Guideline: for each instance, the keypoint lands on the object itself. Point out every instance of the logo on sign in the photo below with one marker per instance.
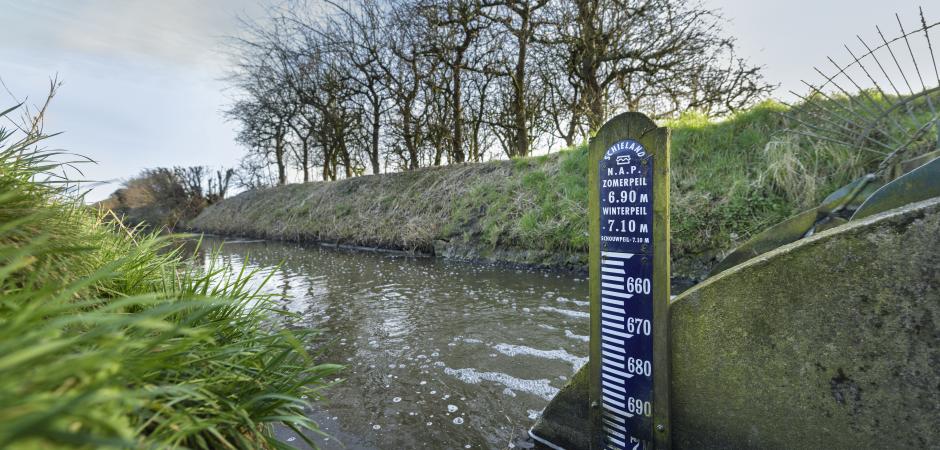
(626, 145)
(621, 160)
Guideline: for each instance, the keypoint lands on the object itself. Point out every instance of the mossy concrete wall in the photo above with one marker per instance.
(829, 342)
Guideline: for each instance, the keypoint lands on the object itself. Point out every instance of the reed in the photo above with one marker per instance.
(112, 338)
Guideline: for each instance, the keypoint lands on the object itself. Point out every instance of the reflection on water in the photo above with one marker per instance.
(439, 354)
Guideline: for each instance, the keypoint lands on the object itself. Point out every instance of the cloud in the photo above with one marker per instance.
(171, 31)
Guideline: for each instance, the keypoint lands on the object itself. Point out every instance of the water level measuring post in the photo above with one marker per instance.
(629, 271)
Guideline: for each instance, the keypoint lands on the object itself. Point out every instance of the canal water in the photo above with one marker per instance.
(439, 354)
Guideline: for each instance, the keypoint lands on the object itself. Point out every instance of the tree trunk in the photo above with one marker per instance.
(279, 158)
(408, 135)
(376, 128)
(327, 158)
(593, 95)
(305, 161)
(457, 142)
(521, 138)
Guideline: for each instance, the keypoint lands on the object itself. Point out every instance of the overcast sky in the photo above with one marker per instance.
(142, 79)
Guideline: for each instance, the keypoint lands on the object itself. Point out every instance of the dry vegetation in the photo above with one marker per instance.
(731, 179)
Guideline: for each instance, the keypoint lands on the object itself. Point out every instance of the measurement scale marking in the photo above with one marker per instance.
(615, 432)
(615, 395)
(615, 410)
(616, 294)
(611, 416)
(612, 378)
(614, 425)
(617, 441)
(613, 363)
(617, 255)
(615, 387)
(613, 401)
(616, 372)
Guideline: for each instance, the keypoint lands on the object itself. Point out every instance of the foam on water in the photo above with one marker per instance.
(516, 350)
(576, 302)
(540, 387)
(566, 312)
(392, 348)
(571, 335)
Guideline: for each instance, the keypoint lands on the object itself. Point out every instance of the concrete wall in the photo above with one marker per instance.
(830, 342)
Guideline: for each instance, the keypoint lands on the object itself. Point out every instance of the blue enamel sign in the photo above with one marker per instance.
(626, 274)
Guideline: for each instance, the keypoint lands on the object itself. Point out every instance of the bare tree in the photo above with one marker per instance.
(524, 21)
(455, 26)
(218, 186)
(408, 69)
(267, 105)
(626, 54)
(253, 172)
(359, 39)
(356, 84)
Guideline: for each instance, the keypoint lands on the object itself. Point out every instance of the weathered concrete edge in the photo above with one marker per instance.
(543, 441)
(764, 258)
(561, 405)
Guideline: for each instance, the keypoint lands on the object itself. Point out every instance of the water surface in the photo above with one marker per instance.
(439, 354)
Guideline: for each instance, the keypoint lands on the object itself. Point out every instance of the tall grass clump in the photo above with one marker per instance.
(110, 338)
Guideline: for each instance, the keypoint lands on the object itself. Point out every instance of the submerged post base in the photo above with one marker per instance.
(565, 423)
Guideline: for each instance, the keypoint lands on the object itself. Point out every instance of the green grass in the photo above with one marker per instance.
(110, 338)
(731, 178)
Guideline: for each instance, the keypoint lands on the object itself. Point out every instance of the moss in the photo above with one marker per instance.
(829, 342)
(839, 359)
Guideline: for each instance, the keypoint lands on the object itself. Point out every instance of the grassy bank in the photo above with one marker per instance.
(731, 178)
(111, 339)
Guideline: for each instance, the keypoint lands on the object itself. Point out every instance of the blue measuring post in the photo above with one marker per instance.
(626, 295)
(629, 347)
